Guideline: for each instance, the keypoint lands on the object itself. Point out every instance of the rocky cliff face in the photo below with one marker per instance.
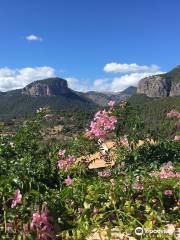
(49, 87)
(155, 86)
(161, 85)
(175, 89)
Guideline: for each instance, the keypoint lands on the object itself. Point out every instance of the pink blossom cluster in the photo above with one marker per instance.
(168, 193)
(105, 173)
(173, 114)
(17, 198)
(124, 141)
(138, 186)
(167, 167)
(166, 171)
(42, 226)
(169, 174)
(111, 104)
(65, 163)
(61, 153)
(102, 123)
(68, 181)
(177, 138)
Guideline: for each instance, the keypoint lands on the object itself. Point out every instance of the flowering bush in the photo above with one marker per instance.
(103, 123)
(47, 192)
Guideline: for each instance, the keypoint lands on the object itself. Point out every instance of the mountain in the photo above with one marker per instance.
(75, 109)
(102, 98)
(99, 98)
(124, 95)
(130, 90)
(174, 77)
(52, 92)
(48, 87)
(162, 85)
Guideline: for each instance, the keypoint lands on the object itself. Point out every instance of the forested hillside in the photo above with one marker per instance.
(152, 113)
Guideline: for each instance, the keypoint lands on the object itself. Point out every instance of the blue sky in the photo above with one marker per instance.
(76, 39)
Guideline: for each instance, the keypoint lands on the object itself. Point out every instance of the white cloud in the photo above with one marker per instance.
(115, 84)
(132, 79)
(33, 37)
(81, 85)
(130, 68)
(99, 82)
(76, 84)
(19, 78)
(101, 85)
(130, 74)
(73, 82)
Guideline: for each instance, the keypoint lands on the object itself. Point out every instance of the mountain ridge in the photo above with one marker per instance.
(55, 93)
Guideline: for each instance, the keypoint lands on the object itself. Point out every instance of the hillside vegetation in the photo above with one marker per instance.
(152, 113)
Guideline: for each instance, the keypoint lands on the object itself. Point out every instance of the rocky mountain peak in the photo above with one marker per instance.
(48, 87)
(161, 85)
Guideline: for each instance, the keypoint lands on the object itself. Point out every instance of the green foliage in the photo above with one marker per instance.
(18, 105)
(129, 123)
(174, 75)
(130, 197)
(150, 155)
(152, 113)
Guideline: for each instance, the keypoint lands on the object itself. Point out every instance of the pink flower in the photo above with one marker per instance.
(177, 138)
(62, 164)
(36, 218)
(103, 123)
(17, 199)
(68, 181)
(67, 163)
(71, 159)
(168, 193)
(111, 103)
(124, 141)
(61, 153)
(167, 170)
(167, 167)
(105, 173)
(42, 226)
(100, 174)
(138, 186)
(167, 175)
(39, 218)
(173, 114)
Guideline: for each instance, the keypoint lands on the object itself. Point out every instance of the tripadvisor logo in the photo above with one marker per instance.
(140, 231)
